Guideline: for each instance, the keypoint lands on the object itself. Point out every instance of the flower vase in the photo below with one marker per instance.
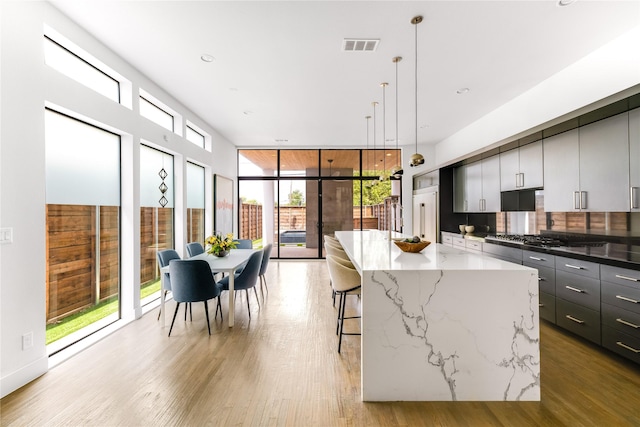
(221, 254)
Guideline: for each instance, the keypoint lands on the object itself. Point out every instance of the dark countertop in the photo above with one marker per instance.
(615, 254)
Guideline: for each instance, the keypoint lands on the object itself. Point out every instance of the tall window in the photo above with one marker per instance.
(156, 216)
(195, 203)
(83, 228)
(78, 69)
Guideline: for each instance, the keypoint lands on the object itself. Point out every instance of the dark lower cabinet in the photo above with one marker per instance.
(547, 308)
(597, 302)
(625, 321)
(621, 343)
(578, 319)
(620, 295)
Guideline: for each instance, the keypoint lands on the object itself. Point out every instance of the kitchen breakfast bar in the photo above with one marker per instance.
(444, 324)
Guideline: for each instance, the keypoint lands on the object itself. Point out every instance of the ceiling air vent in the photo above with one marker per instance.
(360, 45)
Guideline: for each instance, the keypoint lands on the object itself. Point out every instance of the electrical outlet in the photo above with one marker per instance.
(6, 235)
(27, 341)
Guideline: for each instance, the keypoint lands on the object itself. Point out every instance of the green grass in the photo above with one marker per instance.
(84, 318)
(149, 288)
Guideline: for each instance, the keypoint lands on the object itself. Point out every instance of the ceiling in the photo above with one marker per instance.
(279, 77)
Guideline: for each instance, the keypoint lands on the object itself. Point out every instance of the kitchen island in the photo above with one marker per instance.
(444, 324)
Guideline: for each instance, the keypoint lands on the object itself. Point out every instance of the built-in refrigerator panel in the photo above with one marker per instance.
(426, 224)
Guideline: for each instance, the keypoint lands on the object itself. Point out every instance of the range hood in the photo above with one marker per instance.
(518, 200)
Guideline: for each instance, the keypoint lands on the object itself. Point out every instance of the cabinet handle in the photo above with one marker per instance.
(623, 345)
(521, 179)
(577, 267)
(620, 276)
(627, 299)
(540, 305)
(517, 180)
(635, 203)
(541, 279)
(624, 322)
(571, 288)
(568, 316)
(583, 200)
(576, 200)
(536, 258)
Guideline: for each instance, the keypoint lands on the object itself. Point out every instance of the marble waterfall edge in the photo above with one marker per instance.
(450, 335)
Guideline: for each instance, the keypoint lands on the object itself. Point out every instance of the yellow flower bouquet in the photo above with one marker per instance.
(220, 245)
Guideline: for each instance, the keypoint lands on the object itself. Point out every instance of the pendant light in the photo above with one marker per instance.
(367, 161)
(416, 158)
(384, 176)
(375, 170)
(397, 170)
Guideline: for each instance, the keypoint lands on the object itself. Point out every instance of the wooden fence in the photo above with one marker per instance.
(250, 221)
(156, 233)
(71, 247)
(295, 218)
(71, 257)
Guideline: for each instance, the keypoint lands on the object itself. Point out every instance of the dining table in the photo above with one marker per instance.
(228, 264)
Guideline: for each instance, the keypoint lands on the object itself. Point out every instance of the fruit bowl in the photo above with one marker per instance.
(412, 247)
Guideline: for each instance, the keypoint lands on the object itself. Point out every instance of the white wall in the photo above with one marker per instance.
(604, 76)
(26, 86)
(612, 69)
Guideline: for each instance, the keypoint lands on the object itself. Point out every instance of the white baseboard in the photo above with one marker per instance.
(26, 374)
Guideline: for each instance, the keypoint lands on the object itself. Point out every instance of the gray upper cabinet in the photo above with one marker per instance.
(522, 168)
(561, 171)
(491, 184)
(604, 165)
(587, 169)
(510, 170)
(477, 186)
(634, 156)
(473, 187)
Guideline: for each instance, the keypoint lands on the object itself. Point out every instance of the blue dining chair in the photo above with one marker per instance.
(246, 279)
(164, 257)
(244, 243)
(263, 267)
(192, 281)
(194, 248)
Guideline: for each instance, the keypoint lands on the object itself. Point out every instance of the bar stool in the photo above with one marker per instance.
(345, 281)
(339, 253)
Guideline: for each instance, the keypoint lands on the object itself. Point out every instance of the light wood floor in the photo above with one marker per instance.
(282, 368)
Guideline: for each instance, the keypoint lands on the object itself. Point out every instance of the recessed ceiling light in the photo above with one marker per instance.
(565, 2)
(462, 91)
(207, 58)
(246, 113)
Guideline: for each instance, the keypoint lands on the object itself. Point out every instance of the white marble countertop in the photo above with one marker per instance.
(371, 250)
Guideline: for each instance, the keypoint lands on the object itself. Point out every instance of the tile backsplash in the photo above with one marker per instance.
(536, 221)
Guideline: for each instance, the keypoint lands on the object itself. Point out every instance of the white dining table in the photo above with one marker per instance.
(228, 264)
